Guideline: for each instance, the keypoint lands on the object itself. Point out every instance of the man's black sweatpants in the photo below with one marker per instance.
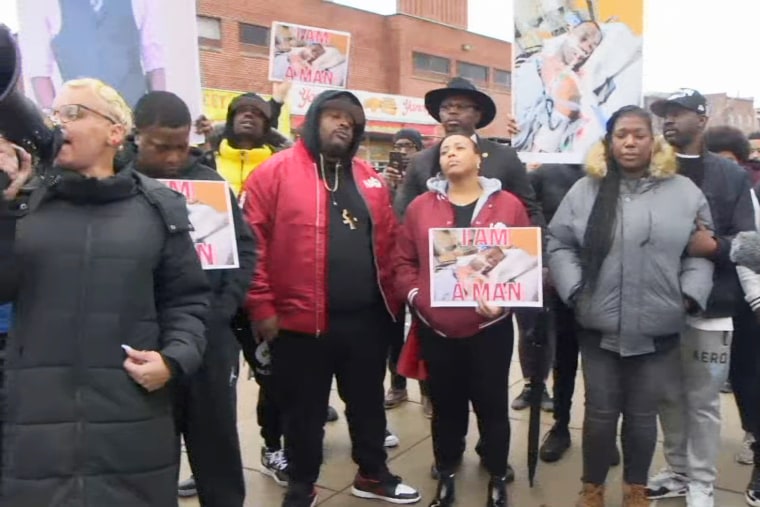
(206, 416)
(354, 350)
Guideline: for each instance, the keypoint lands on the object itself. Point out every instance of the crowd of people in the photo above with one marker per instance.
(117, 345)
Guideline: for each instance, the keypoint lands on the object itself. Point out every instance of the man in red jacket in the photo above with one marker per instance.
(322, 293)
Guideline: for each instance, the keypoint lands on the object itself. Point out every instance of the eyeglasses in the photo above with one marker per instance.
(455, 106)
(404, 145)
(71, 112)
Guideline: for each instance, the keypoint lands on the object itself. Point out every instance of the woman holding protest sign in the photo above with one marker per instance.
(466, 350)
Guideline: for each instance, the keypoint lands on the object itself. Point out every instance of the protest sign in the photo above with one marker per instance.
(210, 209)
(500, 265)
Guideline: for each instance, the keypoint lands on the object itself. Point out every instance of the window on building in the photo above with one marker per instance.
(209, 31)
(476, 73)
(254, 34)
(502, 78)
(424, 63)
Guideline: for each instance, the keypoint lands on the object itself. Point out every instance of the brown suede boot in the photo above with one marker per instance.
(635, 495)
(592, 495)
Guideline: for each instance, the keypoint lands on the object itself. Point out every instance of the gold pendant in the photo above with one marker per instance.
(349, 219)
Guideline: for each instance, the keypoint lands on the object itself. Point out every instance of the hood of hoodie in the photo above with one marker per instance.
(440, 185)
(310, 128)
(229, 130)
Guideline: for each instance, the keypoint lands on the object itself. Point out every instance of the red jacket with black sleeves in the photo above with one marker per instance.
(286, 205)
(433, 210)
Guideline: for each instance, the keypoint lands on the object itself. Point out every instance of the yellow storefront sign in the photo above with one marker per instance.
(216, 102)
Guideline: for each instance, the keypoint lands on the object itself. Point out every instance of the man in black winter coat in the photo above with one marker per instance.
(206, 403)
(551, 182)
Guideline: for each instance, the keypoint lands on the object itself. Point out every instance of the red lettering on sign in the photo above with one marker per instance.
(313, 36)
(205, 253)
(185, 188)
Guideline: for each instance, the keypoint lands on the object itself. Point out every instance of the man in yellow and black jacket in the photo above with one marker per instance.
(247, 139)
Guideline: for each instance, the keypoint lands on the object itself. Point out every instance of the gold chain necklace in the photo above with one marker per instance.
(324, 176)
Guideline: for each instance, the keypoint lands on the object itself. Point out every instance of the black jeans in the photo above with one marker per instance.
(564, 329)
(354, 350)
(464, 370)
(206, 415)
(743, 372)
(617, 385)
(531, 363)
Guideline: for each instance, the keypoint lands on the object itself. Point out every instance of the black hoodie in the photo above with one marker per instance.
(352, 277)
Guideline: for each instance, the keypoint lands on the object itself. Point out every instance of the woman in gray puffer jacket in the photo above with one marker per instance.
(617, 254)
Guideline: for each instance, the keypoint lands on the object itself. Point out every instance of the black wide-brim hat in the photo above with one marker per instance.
(460, 87)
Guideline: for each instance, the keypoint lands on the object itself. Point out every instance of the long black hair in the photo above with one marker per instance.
(600, 229)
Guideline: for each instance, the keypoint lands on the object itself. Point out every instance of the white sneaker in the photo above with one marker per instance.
(667, 484)
(700, 495)
(391, 440)
(746, 456)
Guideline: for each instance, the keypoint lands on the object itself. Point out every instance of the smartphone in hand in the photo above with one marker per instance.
(396, 161)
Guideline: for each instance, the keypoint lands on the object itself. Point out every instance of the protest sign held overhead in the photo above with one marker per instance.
(499, 265)
(574, 64)
(309, 55)
(210, 209)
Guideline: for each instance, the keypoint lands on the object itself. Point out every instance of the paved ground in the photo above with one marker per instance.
(557, 484)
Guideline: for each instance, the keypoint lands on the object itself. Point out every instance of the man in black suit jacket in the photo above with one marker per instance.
(460, 107)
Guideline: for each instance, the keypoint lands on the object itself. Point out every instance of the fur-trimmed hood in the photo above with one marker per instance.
(663, 165)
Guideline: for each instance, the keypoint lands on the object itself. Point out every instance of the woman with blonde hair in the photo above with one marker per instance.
(617, 254)
(110, 301)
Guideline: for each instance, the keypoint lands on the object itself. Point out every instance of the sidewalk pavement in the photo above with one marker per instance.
(556, 485)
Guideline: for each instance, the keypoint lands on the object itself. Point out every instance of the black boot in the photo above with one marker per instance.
(497, 492)
(444, 496)
(556, 443)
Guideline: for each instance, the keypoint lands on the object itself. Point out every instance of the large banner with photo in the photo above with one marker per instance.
(135, 46)
(309, 55)
(575, 62)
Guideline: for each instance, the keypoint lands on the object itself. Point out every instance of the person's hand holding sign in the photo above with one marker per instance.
(488, 311)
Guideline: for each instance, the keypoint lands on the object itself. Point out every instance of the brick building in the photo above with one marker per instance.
(406, 54)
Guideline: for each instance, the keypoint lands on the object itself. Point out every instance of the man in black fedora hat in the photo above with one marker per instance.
(461, 107)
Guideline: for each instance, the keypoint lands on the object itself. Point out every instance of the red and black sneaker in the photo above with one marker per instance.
(386, 487)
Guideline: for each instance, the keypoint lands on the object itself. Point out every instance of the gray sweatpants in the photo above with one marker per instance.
(690, 407)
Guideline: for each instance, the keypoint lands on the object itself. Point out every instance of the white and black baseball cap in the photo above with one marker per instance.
(686, 98)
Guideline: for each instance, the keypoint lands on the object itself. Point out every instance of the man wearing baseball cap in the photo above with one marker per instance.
(690, 406)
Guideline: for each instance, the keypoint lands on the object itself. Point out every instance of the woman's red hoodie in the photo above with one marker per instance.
(495, 208)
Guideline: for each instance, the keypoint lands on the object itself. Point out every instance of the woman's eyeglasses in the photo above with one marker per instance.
(72, 112)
